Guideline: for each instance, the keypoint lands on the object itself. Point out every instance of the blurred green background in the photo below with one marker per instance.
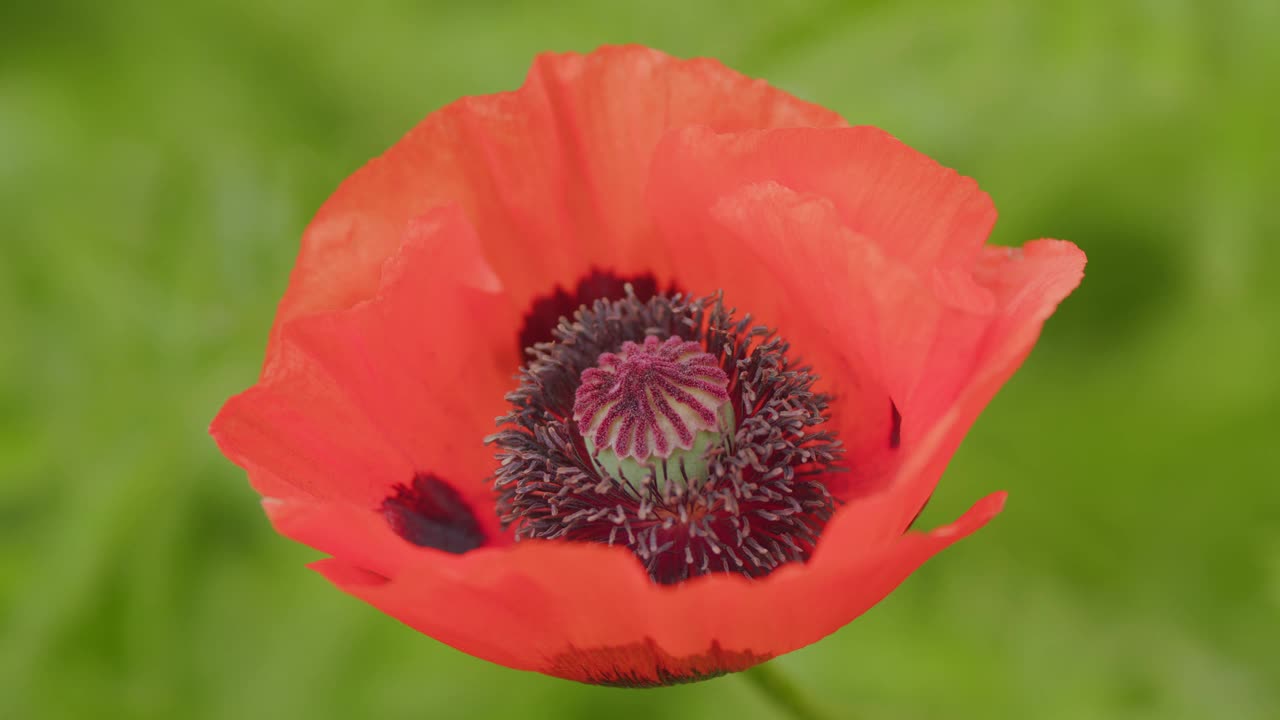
(159, 161)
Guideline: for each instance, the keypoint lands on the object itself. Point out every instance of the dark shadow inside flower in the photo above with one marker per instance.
(547, 310)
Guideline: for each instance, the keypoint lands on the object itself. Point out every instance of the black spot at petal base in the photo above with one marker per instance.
(430, 513)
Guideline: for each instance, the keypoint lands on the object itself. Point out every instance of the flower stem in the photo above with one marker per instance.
(774, 684)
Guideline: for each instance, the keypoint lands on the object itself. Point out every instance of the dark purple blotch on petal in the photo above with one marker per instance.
(430, 513)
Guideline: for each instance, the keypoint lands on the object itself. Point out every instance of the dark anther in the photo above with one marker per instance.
(430, 513)
(544, 316)
(895, 430)
(758, 502)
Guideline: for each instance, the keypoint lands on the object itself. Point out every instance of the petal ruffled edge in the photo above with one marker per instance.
(917, 211)
(551, 175)
(887, 331)
(590, 613)
(355, 407)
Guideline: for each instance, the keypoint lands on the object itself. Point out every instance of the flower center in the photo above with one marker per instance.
(674, 429)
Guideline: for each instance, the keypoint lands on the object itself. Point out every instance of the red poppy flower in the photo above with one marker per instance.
(670, 492)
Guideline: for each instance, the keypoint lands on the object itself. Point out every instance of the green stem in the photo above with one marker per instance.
(774, 684)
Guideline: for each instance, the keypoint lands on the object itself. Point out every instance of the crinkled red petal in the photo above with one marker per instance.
(551, 175)
(895, 337)
(581, 611)
(363, 400)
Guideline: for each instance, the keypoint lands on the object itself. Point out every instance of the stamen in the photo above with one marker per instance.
(546, 312)
(641, 381)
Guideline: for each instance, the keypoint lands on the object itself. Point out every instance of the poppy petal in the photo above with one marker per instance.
(916, 210)
(866, 319)
(300, 434)
(428, 359)
(590, 613)
(1027, 284)
(364, 400)
(907, 216)
(475, 638)
(745, 240)
(898, 342)
(961, 349)
(613, 106)
(550, 175)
